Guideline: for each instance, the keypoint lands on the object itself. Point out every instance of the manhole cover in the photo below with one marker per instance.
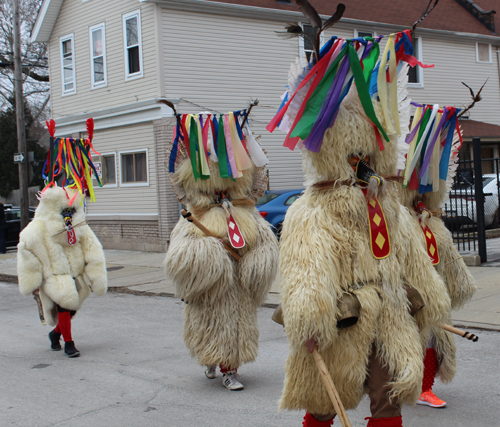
(118, 267)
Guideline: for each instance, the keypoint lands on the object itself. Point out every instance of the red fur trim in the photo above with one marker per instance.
(430, 369)
(90, 128)
(310, 421)
(51, 126)
(385, 422)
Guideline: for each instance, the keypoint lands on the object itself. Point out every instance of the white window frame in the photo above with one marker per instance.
(302, 52)
(420, 70)
(104, 83)
(61, 40)
(125, 17)
(111, 153)
(356, 33)
(489, 52)
(134, 184)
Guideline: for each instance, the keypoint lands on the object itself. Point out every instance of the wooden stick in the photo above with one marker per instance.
(198, 224)
(330, 387)
(463, 334)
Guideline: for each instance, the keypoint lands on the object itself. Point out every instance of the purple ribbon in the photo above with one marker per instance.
(430, 147)
(315, 139)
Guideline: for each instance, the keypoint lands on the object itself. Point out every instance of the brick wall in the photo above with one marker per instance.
(129, 235)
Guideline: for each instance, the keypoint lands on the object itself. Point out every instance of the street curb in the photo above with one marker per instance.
(472, 260)
(10, 278)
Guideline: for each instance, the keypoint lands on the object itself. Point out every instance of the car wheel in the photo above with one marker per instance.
(277, 231)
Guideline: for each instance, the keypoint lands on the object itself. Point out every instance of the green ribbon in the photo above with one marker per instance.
(193, 142)
(316, 100)
(362, 87)
(222, 151)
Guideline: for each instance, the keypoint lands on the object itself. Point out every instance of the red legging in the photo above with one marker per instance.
(223, 369)
(64, 326)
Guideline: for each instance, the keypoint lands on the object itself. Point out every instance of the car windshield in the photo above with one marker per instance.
(266, 199)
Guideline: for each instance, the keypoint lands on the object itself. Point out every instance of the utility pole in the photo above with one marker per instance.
(21, 125)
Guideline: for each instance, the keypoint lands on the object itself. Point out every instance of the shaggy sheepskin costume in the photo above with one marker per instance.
(460, 285)
(221, 294)
(64, 273)
(325, 252)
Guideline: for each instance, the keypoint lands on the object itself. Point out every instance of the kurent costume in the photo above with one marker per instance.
(59, 258)
(346, 235)
(428, 177)
(217, 171)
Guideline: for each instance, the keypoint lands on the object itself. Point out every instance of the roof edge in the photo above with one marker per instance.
(42, 29)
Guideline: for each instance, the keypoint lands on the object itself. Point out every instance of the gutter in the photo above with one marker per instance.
(268, 14)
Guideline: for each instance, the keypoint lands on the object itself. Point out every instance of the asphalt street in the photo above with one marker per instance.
(135, 371)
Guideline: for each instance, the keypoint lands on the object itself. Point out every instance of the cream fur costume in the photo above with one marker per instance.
(325, 251)
(221, 294)
(47, 262)
(460, 284)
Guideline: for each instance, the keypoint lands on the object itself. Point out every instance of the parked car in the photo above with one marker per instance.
(274, 204)
(13, 218)
(461, 208)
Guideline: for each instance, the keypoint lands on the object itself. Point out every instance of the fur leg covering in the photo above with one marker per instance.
(446, 353)
(430, 369)
(385, 422)
(64, 326)
(310, 421)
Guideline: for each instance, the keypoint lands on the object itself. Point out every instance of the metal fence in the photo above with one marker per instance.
(473, 205)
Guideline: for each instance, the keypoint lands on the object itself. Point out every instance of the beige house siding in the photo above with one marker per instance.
(118, 91)
(221, 63)
(123, 200)
(455, 62)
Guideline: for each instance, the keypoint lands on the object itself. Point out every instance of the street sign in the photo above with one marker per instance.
(18, 158)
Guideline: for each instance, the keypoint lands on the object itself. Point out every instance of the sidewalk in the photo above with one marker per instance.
(141, 273)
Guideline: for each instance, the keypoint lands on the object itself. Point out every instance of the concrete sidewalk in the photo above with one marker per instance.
(142, 273)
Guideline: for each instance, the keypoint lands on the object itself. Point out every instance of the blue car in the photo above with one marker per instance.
(274, 204)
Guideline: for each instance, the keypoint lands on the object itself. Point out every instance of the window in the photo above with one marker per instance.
(308, 46)
(133, 45)
(68, 65)
(134, 168)
(106, 169)
(483, 52)
(292, 199)
(98, 56)
(364, 34)
(415, 74)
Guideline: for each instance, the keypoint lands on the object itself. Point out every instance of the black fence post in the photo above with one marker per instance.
(479, 196)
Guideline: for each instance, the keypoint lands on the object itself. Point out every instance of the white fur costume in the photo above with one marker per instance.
(47, 262)
(325, 251)
(221, 294)
(460, 284)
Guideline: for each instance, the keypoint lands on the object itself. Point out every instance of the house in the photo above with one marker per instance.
(113, 60)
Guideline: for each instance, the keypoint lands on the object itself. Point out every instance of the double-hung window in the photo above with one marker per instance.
(132, 44)
(134, 168)
(415, 74)
(68, 65)
(98, 56)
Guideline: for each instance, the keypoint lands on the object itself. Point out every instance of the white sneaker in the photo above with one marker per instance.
(230, 380)
(211, 372)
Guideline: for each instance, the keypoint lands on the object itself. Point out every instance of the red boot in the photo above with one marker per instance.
(430, 369)
(310, 421)
(385, 422)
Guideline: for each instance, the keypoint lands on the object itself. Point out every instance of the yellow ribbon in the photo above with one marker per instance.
(382, 85)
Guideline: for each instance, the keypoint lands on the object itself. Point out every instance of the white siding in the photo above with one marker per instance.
(221, 63)
(455, 62)
(76, 17)
(126, 200)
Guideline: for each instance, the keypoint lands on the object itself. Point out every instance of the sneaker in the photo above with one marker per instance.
(230, 380)
(55, 340)
(430, 399)
(70, 349)
(211, 372)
